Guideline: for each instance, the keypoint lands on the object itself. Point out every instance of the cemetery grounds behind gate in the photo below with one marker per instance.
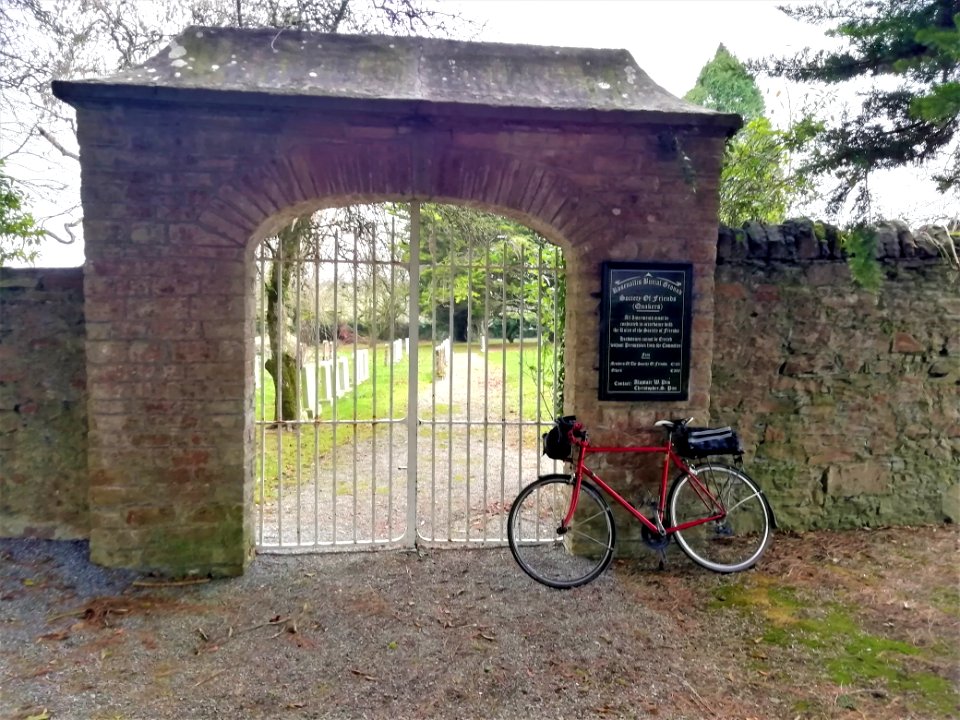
(483, 378)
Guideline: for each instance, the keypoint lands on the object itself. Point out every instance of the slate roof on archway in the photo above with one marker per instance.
(409, 75)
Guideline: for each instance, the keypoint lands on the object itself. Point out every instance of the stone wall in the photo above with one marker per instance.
(43, 404)
(848, 400)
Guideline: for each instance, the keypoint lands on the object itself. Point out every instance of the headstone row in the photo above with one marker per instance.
(332, 376)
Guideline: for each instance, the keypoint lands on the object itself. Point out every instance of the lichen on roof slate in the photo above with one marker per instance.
(289, 63)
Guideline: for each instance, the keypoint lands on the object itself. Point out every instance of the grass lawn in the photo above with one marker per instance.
(524, 388)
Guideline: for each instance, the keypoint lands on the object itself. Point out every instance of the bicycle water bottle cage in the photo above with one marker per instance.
(702, 442)
(556, 443)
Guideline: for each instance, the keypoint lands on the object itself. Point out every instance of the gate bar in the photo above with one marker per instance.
(413, 417)
(389, 351)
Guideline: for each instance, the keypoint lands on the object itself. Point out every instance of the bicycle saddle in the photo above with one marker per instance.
(673, 424)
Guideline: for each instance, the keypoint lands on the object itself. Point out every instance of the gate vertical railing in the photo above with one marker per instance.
(413, 417)
(482, 424)
(384, 456)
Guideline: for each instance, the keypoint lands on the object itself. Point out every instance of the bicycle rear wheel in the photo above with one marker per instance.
(735, 541)
(561, 558)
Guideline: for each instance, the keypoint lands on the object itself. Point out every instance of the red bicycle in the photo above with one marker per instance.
(561, 529)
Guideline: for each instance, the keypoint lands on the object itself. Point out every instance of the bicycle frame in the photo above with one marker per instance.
(708, 499)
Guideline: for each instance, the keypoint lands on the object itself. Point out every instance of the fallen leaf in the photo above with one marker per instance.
(207, 679)
(169, 583)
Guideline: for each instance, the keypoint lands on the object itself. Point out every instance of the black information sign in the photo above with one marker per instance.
(645, 318)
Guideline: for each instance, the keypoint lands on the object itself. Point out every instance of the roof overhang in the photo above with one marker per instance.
(404, 77)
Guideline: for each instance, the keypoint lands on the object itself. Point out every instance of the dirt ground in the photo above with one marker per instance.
(862, 624)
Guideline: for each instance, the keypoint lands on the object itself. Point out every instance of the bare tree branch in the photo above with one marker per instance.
(53, 141)
(68, 228)
(18, 149)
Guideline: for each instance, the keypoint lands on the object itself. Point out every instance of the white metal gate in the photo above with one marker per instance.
(454, 314)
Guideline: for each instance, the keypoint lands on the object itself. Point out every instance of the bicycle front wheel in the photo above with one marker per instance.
(737, 539)
(552, 555)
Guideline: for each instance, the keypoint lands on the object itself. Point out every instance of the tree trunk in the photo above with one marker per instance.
(277, 287)
(288, 405)
(461, 328)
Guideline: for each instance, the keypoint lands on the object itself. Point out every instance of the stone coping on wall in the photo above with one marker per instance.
(804, 240)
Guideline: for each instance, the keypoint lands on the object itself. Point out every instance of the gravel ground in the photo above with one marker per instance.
(449, 634)
(460, 633)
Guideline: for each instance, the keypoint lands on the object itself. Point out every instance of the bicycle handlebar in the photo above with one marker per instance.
(573, 430)
(577, 434)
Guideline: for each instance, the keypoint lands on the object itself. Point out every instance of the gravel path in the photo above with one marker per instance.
(467, 478)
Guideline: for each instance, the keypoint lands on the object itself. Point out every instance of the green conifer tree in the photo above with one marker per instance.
(910, 114)
(725, 84)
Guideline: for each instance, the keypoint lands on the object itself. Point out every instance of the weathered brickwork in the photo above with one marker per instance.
(848, 400)
(43, 409)
(175, 201)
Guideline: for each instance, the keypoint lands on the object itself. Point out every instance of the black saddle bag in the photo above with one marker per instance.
(702, 442)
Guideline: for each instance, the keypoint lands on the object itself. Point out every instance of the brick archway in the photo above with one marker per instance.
(181, 180)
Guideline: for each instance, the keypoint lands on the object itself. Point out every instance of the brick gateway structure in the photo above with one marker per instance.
(191, 159)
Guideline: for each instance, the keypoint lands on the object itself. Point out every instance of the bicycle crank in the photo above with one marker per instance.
(654, 541)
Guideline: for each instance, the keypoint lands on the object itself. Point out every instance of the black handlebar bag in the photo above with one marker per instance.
(556, 443)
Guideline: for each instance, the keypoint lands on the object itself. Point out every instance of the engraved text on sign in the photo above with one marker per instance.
(645, 331)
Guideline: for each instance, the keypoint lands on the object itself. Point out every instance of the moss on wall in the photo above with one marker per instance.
(848, 400)
(43, 413)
